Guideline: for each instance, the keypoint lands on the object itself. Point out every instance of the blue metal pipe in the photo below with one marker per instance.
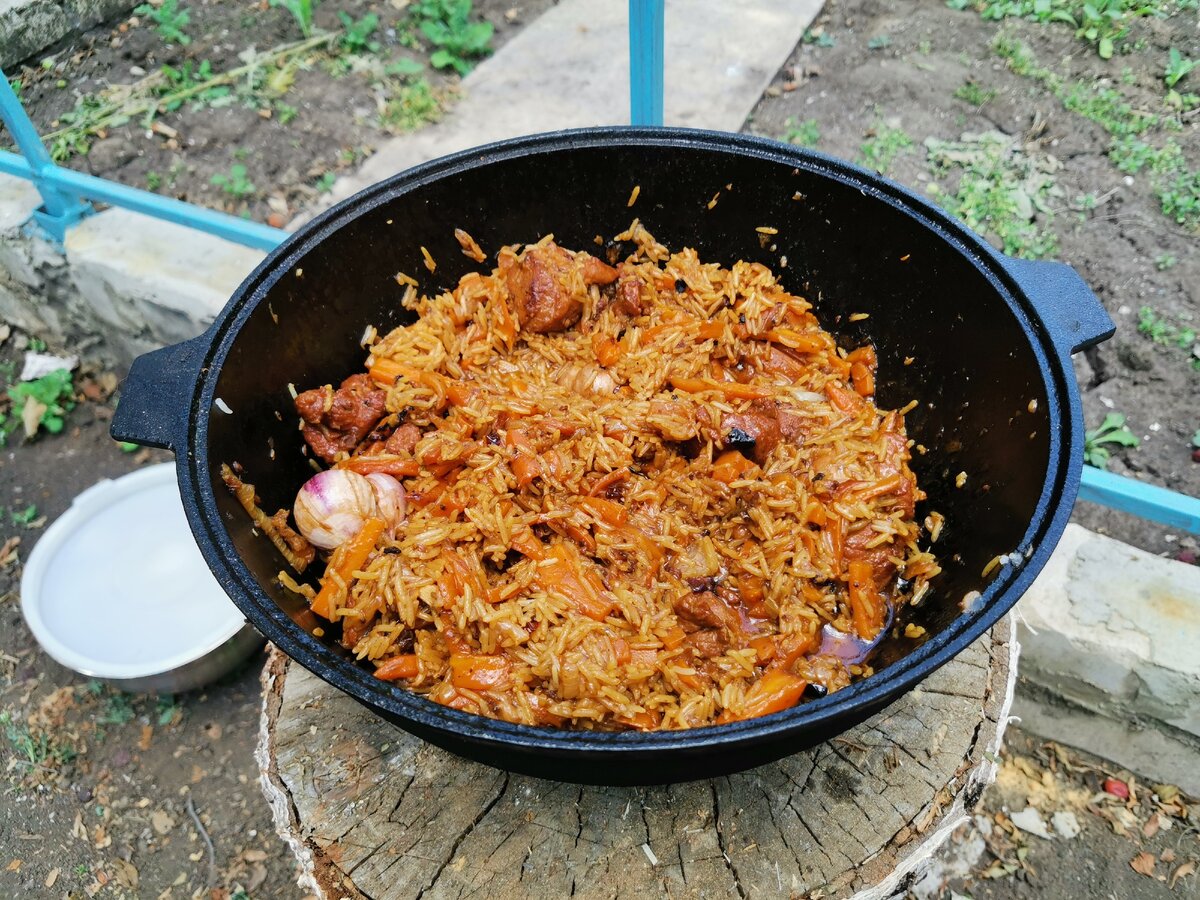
(232, 228)
(1146, 500)
(646, 62)
(60, 209)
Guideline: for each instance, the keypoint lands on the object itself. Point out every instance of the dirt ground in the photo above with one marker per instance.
(291, 126)
(98, 787)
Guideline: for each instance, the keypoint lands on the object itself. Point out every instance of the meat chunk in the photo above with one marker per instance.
(759, 426)
(708, 643)
(791, 424)
(336, 421)
(629, 296)
(707, 610)
(548, 285)
(879, 557)
(403, 439)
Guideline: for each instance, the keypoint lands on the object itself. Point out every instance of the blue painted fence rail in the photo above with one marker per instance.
(64, 192)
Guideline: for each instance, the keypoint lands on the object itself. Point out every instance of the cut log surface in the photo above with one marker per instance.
(371, 811)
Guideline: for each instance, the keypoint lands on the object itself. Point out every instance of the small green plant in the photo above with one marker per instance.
(302, 12)
(1100, 23)
(118, 710)
(16, 84)
(880, 150)
(236, 183)
(412, 106)
(39, 404)
(447, 25)
(191, 81)
(169, 20)
(805, 133)
(1002, 191)
(879, 42)
(1164, 261)
(153, 181)
(26, 516)
(167, 710)
(325, 182)
(1161, 331)
(820, 38)
(1178, 67)
(37, 345)
(36, 747)
(286, 113)
(970, 92)
(356, 37)
(1112, 431)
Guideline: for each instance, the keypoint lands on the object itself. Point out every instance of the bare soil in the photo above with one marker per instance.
(337, 120)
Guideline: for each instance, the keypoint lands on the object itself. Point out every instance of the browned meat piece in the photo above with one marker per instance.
(708, 643)
(791, 424)
(629, 296)
(542, 283)
(338, 420)
(707, 609)
(855, 548)
(403, 439)
(759, 425)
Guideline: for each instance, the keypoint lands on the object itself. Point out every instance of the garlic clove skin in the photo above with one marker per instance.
(332, 506)
(390, 498)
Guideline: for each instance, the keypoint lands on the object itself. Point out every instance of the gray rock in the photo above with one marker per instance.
(27, 26)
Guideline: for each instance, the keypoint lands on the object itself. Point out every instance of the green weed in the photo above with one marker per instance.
(805, 134)
(192, 82)
(325, 182)
(169, 20)
(39, 404)
(118, 710)
(153, 181)
(235, 183)
(1001, 191)
(879, 42)
(446, 24)
(819, 38)
(302, 12)
(35, 747)
(412, 106)
(167, 710)
(1162, 331)
(881, 149)
(970, 92)
(1164, 261)
(26, 516)
(356, 37)
(286, 113)
(1178, 67)
(1112, 430)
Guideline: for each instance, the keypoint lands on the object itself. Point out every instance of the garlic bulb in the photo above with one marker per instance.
(333, 505)
(390, 498)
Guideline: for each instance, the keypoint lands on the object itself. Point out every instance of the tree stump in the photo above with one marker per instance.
(371, 811)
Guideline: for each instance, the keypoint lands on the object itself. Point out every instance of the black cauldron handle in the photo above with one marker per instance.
(1073, 315)
(156, 395)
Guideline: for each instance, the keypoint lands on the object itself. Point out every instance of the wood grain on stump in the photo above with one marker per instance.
(373, 812)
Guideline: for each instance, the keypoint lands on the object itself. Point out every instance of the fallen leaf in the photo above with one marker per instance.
(77, 828)
(1187, 868)
(8, 553)
(254, 855)
(125, 873)
(1150, 829)
(161, 821)
(31, 415)
(1166, 792)
(258, 874)
(1143, 864)
(1167, 856)
(14, 866)
(52, 877)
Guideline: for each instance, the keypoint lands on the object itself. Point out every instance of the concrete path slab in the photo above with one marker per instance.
(570, 68)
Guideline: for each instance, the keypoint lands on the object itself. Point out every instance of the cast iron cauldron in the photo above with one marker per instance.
(990, 340)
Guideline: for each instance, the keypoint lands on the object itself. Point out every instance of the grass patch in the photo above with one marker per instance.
(803, 134)
(970, 92)
(1173, 181)
(412, 105)
(1001, 191)
(32, 746)
(39, 405)
(883, 145)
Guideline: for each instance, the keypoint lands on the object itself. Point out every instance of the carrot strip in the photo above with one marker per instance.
(643, 721)
(796, 340)
(607, 481)
(777, 690)
(764, 646)
(561, 573)
(621, 651)
(892, 484)
(730, 466)
(525, 468)
(866, 603)
(526, 543)
(476, 672)
(347, 559)
(673, 637)
(605, 510)
(711, 331)
(403, 666)
(395, 466)
(731, 389)
(844, 400)
(863, 379)
(607, 351)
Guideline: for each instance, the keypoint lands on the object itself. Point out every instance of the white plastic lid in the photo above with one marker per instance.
(117, 588)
